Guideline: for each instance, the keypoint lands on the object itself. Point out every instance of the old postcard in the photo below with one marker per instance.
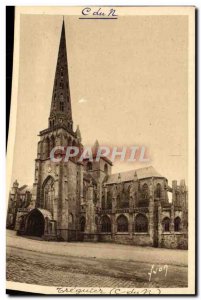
(101, 151)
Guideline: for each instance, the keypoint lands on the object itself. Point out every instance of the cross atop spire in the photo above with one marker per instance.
(61, 113)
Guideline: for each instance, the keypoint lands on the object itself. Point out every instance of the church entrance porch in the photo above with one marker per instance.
(35, 223)
(38, 223)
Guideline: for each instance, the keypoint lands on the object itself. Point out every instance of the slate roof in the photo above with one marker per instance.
(129, 175)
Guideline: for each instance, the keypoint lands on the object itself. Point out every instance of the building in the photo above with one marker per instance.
(84, 201)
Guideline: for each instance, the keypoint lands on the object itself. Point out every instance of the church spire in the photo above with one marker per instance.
(60, 113)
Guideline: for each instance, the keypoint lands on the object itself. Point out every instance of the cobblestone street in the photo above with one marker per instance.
(88, 264)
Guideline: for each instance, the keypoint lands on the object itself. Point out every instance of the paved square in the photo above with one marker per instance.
(91, 264)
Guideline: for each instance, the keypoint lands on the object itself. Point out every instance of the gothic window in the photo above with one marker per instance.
(106, 169)
(141, 223)
(89, 166)
(122, 224)
(177, 224)
(128, 192)
(48, 194)
(109, 200)
(158, 190)
(118, 202)
(144, 200)
(166, 224)
(61, 85)
(103, 202)
(46, 148)
(122, 201)
(124, 197)
(82, 224)
(105, 224)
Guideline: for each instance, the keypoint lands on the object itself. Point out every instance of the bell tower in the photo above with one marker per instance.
(57, 185)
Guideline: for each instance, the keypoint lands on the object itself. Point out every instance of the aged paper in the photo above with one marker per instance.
(100, 163)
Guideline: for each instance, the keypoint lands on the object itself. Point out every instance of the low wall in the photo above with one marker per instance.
(140, 239)
(174, 241)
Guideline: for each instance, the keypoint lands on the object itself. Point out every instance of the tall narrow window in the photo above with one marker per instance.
(166, 224)
(158, 190)
(82, 224)
(105, 224)
(144, 199)
(122, 224)
(141, 223)
(103, 202)
(177, 224)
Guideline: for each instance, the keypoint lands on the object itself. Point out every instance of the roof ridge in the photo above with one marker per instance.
(133, 170)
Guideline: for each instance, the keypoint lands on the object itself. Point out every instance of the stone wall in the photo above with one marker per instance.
(174, 241)
(141, 239)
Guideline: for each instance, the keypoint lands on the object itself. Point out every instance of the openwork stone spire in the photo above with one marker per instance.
(60, 113)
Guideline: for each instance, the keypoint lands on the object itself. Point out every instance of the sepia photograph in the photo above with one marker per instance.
(101, 151)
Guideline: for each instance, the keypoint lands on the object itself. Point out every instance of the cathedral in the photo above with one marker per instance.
(83, 201)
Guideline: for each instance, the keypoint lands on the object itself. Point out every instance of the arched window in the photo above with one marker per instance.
(118, 202)
(158, 190)
(141, 223)
(122, 224)
(82, 224)
(166, 224)
(105, 224)
(48, 194)
(89, 166)
(103, 202)
(177, 224)
(46, 147)
(109, 200)
(144, 199)
(106, 169)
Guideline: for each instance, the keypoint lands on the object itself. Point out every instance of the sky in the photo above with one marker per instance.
(128, 82)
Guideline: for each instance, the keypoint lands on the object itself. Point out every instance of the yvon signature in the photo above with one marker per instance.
(158, 271)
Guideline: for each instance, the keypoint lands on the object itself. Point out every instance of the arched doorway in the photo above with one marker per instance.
(35, 224)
